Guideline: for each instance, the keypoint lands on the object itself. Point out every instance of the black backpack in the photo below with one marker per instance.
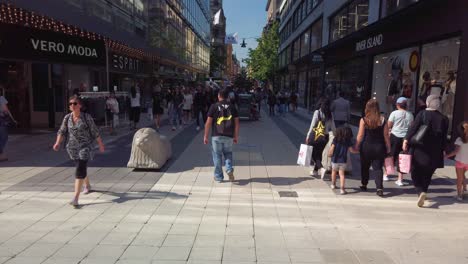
(224, 123)
(319, 135)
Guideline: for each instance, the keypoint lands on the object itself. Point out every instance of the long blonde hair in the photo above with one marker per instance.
(372, 114)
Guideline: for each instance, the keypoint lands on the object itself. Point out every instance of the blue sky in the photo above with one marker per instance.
(247, 17)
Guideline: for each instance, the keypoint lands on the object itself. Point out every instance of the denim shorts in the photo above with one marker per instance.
(338, 166)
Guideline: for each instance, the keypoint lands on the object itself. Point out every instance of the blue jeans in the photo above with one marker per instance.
(176, 116)
(222, 146)
(3, 138)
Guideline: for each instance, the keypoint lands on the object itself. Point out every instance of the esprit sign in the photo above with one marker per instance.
(30, 44)
(124, 63)
(58, 47)
(369, 43)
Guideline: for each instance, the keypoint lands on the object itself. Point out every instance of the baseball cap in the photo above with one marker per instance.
(401, 100)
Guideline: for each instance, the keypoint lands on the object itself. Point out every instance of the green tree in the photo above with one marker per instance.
(263, 60)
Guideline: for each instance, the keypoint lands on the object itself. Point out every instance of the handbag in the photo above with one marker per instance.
(418, 138)
(389, 166)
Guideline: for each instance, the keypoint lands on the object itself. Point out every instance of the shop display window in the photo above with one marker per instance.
(392, 78)
(301, 87)
(438, 73)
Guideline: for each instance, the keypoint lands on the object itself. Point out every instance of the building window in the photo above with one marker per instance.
(316, 36)
(296, 49)
(391, 6)
(305, 38)
(352, 17)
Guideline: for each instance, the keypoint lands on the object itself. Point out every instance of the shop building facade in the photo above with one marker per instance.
(51, 49)
(380, 49)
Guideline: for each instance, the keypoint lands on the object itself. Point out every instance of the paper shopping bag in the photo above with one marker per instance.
(305, 155)
(404, 161)
(389, 166)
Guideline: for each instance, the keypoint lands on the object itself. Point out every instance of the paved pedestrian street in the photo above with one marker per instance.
(181, 215)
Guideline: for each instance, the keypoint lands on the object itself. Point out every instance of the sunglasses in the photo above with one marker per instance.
(72, 103)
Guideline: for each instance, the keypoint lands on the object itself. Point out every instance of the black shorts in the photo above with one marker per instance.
(187, 110)
(396, 147)
(81, 169)
(158, 111)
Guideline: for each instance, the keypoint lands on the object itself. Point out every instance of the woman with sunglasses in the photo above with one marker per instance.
(80, 130)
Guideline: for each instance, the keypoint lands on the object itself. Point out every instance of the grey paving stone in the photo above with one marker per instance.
(101, 260)
(373, 256)
(149, 239)
(272, 255)
(40, 250)
(206, 254)
(182, 229)
(173, 253)
(12, 249)
(106, 251)
(139, 252)
(58, 260)
(209, 241)
(338, 256)
(29, 260)
(118, 238)
(305, 255)
(239, 241)
(74, 251)
(240, 254)
(179, 241)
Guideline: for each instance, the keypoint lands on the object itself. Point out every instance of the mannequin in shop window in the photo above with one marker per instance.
(394, 87)
(448, 96)
(425, 90)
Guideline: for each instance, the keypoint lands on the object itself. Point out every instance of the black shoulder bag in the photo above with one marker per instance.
(423, 130)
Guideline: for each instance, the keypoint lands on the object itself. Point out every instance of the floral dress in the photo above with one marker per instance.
(81, 136)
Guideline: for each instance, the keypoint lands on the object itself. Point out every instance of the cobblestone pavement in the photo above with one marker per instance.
(181, 215)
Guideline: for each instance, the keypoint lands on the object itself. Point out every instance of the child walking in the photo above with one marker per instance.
(339, 153)
(461, 158)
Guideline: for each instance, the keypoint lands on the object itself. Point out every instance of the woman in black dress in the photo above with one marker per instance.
(373, 143)
(429, 155)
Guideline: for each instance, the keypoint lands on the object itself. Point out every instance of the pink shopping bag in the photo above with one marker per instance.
(404, 160)
(390, 166)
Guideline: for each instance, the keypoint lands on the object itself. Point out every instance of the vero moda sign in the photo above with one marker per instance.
(24, 43)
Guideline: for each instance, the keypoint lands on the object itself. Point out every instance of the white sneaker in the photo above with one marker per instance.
(313, 173)
(421, 199)
(332, 186)
(400, 183)
(385, 178)
(322, 173)
(198, 128)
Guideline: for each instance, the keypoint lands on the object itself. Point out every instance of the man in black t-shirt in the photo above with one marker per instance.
(223, 120)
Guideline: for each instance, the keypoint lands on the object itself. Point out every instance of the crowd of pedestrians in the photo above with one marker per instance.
(423, 138)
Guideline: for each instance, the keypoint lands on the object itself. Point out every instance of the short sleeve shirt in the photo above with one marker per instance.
(215, 114)
(401, 120)
(340, 154)
(462, 155)
(188, 101)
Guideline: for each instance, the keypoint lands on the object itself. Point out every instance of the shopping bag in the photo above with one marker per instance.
(404, 161)
(305, 155)
(389, 166)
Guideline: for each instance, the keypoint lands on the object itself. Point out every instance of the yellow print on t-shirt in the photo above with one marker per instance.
(223, 118)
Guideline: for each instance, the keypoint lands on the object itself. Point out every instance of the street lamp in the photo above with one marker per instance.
(243, 44)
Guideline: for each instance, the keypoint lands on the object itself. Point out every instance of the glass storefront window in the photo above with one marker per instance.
(391, 6)
(353, 84)
(394, 78)
(439, 66)
(351, 18)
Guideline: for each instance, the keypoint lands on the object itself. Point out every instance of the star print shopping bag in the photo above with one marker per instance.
(305, 155)
(319, 135)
